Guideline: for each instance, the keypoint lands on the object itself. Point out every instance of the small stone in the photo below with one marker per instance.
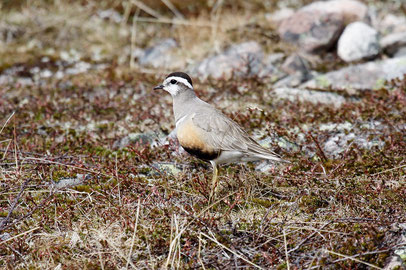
(133, 138)
(239, 60)
(315, 97)
(339, 142)
(392, 43)
(296, 64)
(349, 10)
(167, 167)
(401, 52)
(370, 75)
(392, 24)
(279, 15)
(358, 41)
(4, 236)
(69, 182)
(159, 55)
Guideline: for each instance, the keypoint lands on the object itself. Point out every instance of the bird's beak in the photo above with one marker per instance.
(159, 87)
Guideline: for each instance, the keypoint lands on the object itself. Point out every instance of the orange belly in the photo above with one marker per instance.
(192, 140)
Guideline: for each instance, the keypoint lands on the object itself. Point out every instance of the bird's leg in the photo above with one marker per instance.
(214, 180)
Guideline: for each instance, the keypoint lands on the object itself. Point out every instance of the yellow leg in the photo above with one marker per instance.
(214, 180)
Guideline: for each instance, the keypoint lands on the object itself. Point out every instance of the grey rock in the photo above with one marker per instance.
(274, 58)
(292, 80)
(279, 15)
(159, 55)
(167, 167)
(4, 236)
(10, 32)
(296, 64)
(317, 26)
(239, 60)
(339, 142)
(110, 14)
(398, 260)
(392, 24)
(133, 138)
(312, 31)
(349, 10)
(370, 75)
(316, 97)
(358, 41)
(392, 43)
(401, 52)
(69, 182)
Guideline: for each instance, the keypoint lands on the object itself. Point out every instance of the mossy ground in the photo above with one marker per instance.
(126, 213)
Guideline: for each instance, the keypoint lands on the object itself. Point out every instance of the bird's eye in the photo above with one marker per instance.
(173, 81)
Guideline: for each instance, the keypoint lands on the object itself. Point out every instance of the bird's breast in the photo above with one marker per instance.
(194, 141)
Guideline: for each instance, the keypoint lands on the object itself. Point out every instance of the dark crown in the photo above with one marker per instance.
(182, 75)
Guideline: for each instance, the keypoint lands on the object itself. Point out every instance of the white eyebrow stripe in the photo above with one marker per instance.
(179, 79)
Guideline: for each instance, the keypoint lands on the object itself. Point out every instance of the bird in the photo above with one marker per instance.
(206, 133)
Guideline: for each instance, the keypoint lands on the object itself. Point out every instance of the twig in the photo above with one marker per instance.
(351, 258)
(286, 250)
(146, 8)
(173, 9)
(67, 165)
(175, 239)
(233, 252)
(135, 232)
(322, 154)
(363, 254)
(133, 38)
(5, 124)
(4, 222)
(18, 235)
(199, 257)
(174, 21)
(307, 238)
(389, 170)
(29, 213)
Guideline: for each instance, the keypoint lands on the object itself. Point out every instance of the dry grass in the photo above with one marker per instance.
(125, 213)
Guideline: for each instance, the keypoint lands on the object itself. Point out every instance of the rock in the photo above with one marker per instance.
(392, 43)
(279, 15)
(159, 55)
(349, 10)
(370, 75)
(339, 142)
(4, 236)
(274, 58)
(269, 73)
(311, 31)
(167, 167)
(9, 32)
(398, 260)
(395, 263)
(291, 81)
(392, 24)
(358, 41)
(69, 182)
(132, 138)
(239, 60)
(401, 52)
(296, 64)
(316, 97)
(316, 27)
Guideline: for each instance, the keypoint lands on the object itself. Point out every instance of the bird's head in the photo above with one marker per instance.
(176, 83)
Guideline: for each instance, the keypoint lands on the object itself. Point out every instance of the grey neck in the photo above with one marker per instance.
(181, 103)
